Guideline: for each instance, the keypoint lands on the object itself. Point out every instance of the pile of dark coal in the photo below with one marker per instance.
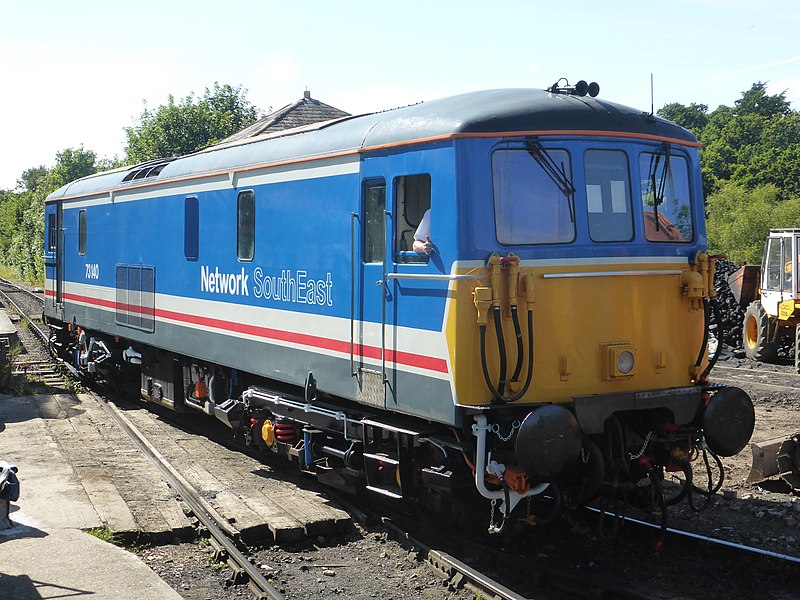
(732, 314)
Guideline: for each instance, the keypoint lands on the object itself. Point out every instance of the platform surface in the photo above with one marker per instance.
(46, 554)
(89, 469)
(7, 328)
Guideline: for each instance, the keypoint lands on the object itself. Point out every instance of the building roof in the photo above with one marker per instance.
(305, 111)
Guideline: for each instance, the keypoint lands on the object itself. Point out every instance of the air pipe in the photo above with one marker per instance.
(487, 298)
(508, 498)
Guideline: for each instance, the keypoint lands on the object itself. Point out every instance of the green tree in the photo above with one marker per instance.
(756, 101)
(71, 164)
(12, 208)
(693, 117)
(739, 219)
(175, 129)
(754, 143)
(22, 212)
(34, 179)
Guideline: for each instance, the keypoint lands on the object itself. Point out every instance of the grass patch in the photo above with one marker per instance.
(14, 385)
(105, 534)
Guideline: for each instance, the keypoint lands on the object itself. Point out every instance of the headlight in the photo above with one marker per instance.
(625, 362)
(619, 360)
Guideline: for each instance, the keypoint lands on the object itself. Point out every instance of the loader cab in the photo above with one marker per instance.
(779, 274)
(770, 296)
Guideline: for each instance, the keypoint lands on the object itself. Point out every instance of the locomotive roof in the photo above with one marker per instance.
(505, 111)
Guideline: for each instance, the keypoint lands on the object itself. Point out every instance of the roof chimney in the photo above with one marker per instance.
(307, 95)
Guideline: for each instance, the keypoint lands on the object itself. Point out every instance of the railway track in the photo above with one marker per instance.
(36, 363)
(530, 571)
(218, 529)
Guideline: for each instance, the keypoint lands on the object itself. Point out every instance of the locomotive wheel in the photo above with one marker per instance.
(755, 334)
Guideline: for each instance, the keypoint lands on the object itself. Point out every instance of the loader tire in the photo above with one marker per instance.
(755, 334)
(797, 348)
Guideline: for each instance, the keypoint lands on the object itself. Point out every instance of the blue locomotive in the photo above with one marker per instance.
(552, 334)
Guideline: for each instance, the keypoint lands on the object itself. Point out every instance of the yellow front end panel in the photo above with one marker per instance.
(597, 329)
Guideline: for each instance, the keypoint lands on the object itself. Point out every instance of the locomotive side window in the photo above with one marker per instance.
(82, 233)
(191, 228)
(246, 225)
(665, 198)
(374, 223)
(52, 232)
(412, 199)
(530, 205)
(608, 196)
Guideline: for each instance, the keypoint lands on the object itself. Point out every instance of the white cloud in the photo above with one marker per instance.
(790, 86)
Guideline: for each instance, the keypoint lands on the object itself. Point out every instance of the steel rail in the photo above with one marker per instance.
(257, 583)
(19, 288)
(705, 538)
(36, 330)
(458, 572)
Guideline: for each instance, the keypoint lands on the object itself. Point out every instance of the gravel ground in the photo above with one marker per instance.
(362, 564)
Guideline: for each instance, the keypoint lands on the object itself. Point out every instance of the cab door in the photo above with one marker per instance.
(54, 253)
(372, 299)
(778, 280)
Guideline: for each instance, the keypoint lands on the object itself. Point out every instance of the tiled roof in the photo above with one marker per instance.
(303, 112)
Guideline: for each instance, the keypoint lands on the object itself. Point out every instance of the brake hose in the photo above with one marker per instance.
(706, 324)
(529, 377)
(518, 335)
(501, 348)
(720, 333)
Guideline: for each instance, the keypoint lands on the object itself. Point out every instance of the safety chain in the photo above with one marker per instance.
(644, 446)
(495, 429)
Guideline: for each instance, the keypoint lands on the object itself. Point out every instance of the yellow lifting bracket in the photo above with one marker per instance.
(487, 297)
(698, 282)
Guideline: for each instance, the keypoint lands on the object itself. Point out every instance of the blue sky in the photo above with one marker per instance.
(76, 73)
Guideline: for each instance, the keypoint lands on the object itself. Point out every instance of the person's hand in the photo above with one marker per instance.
(425, 247)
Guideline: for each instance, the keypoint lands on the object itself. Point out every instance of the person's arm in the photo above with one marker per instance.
(422, 239)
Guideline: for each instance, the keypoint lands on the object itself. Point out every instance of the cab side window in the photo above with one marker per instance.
(412, 200)
(52, 238)
(374, 222)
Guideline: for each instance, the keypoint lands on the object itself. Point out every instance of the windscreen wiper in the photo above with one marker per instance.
(556, 174)
(659, 188)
